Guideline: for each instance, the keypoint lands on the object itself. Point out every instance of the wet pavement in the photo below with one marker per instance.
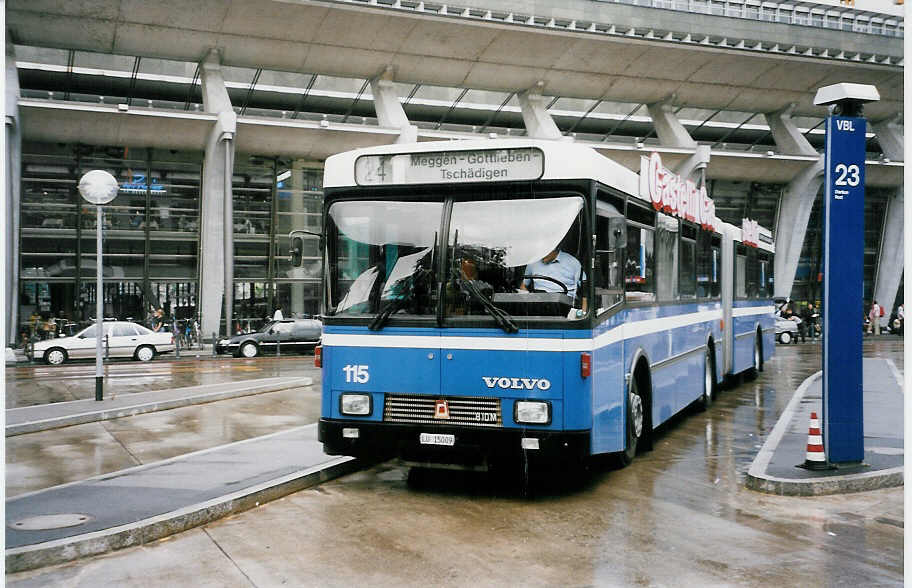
(679, 515)
(40, 460)
(31, 384)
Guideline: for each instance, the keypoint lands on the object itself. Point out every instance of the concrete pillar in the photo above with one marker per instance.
(791, 226)
(890, 136)
(891, 259)
(797, 200)
(217, 169)
(789, 140)
(539, 124)
(694, 167)
(390, 113)
(668, 128)
(13, 149)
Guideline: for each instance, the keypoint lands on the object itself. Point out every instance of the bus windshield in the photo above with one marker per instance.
(382, 256)
(503, 257)
(494, 244)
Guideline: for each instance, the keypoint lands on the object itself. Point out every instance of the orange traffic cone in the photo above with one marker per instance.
(815, 458)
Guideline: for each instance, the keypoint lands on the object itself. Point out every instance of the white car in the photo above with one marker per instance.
(123, 340)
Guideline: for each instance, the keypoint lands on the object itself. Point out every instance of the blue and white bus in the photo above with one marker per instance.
(446, 343)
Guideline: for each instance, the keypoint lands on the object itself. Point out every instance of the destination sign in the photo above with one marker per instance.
(451, 167)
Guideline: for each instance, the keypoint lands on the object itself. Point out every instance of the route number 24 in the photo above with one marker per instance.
(848, 175)
(356, 373)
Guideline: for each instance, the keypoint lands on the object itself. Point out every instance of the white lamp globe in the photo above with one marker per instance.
(98, 187)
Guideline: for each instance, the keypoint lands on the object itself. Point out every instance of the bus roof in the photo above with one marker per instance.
(562, 161)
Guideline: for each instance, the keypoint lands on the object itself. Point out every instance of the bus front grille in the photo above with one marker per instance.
(470, 411)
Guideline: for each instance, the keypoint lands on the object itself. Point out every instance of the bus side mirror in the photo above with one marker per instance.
(297, 251)
(296, 246)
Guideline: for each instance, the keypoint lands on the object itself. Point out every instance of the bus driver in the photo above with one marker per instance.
(561, 266)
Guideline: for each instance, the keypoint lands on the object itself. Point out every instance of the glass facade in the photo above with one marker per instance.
(151, 236)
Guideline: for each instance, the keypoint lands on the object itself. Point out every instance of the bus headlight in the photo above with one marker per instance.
(534, 412)
(355, 404)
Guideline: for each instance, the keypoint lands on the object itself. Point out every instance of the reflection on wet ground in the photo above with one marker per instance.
(42, 384)
(44, 459)
(679, 515)
(41, 460)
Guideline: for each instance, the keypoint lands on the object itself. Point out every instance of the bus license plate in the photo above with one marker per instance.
(437, 439)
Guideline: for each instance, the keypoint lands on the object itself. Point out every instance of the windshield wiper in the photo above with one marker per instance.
(389, 310)
(410, 285)
(501, 317)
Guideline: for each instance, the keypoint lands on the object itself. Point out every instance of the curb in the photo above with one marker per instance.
(758, 480)
(152, 529)
(143, 408)
(890, 478)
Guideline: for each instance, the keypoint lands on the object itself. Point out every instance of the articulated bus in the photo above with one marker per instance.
(451, 341)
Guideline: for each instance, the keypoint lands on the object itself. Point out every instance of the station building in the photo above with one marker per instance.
(194, 105)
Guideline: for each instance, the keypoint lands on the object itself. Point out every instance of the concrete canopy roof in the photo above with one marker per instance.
(336, 38)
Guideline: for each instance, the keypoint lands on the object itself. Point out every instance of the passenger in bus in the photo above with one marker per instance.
(561, 266)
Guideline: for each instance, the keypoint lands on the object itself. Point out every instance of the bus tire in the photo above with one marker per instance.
(636, 421)
(757, 365)
(709, 380)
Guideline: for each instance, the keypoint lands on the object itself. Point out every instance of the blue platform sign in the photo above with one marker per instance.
(843, 305)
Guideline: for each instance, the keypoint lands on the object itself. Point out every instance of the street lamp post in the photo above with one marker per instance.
(98, 187)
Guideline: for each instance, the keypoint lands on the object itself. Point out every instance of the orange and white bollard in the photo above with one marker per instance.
(815, 458)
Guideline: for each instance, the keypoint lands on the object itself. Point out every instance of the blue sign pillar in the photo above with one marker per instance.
(843, 305)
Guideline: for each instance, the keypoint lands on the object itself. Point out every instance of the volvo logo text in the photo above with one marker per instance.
(517, 383)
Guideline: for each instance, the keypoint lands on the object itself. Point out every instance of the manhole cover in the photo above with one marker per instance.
(55, 521)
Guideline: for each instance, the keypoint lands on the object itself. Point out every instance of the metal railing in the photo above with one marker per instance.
(846, 20)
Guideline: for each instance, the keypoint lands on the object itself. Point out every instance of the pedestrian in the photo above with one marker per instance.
(874, 317)
(810, 317)
(277, 315)
(158, 320)
(802, 325)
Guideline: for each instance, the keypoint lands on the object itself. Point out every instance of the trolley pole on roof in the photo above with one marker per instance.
(98, 187)
(843, 262)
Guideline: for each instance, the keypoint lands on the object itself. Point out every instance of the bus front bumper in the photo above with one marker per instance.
(472, 447)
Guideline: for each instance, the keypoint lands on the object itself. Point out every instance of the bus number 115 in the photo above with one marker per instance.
(356, 373)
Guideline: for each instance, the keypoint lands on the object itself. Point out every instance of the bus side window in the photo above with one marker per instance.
(610, 241)
(765, 275)
(666, 245)
(704, 264)
(740, 271)
(715, 288)
(753, 274)
(639, 266)
(688, 244)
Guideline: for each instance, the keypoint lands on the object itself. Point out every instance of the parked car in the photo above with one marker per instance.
(786, 330)
(123, 339)
(289, 335)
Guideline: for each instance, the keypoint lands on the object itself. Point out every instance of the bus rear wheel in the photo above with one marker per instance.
(709, 375)
(636, 422)
(757, 364)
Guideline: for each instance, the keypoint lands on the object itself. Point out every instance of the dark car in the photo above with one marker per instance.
(289, 335)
